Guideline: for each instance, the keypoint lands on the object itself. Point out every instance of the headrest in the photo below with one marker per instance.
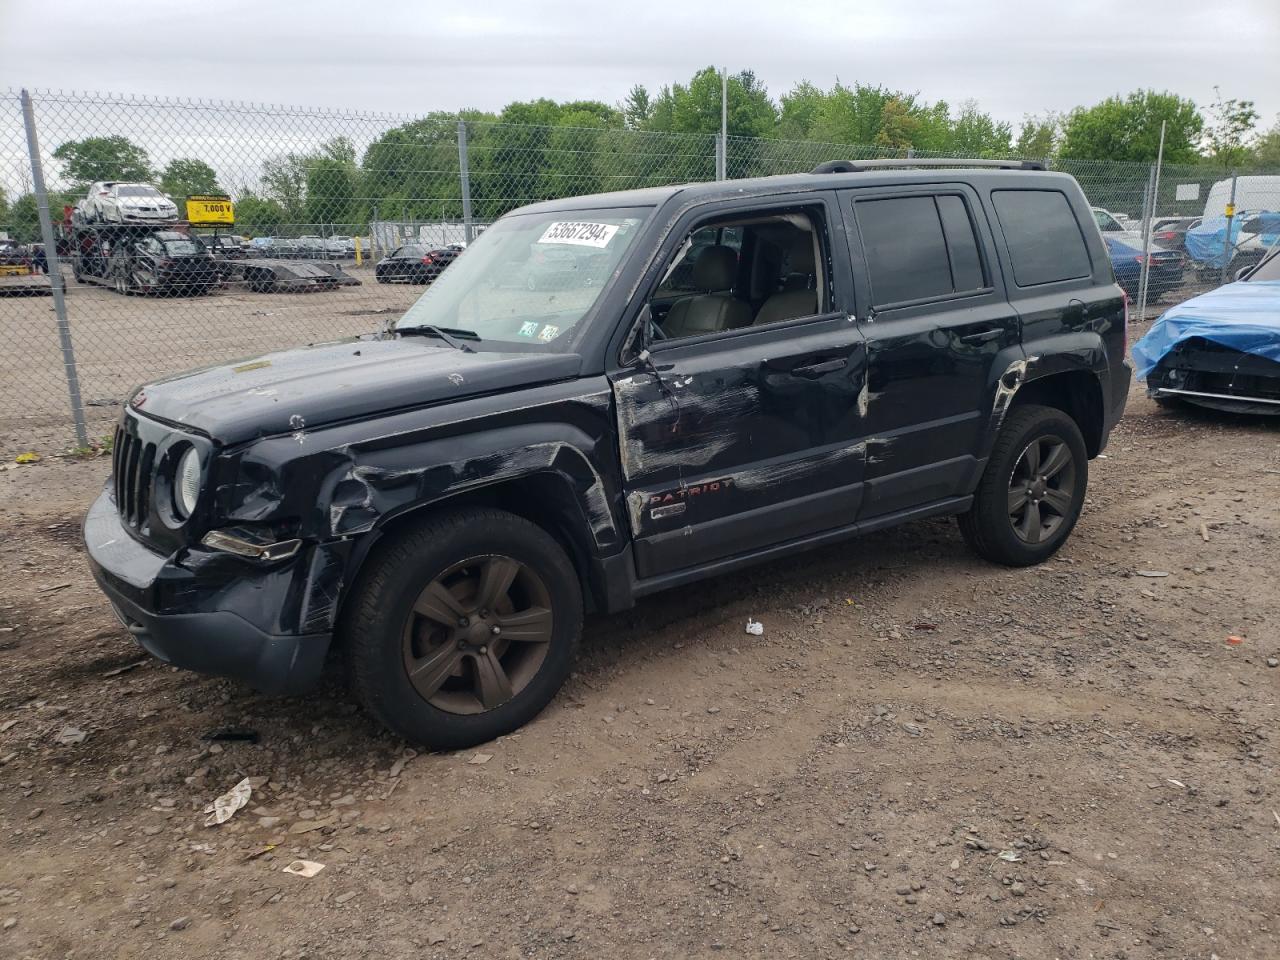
(715, 268)
(801, 254)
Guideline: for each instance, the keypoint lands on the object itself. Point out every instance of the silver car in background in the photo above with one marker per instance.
(112, 202)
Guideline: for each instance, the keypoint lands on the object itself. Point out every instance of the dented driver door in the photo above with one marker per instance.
(733, 443)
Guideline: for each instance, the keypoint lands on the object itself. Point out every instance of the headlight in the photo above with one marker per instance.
(186, 487)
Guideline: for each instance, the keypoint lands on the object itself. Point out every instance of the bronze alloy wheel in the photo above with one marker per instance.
(1042, 489)
(478, 634)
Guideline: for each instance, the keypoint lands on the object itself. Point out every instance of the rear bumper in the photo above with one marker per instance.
(1121, 380)
(210, 614)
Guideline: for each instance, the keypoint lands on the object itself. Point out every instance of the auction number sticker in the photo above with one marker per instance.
(579, 233)
(528, 328)
(548, 333)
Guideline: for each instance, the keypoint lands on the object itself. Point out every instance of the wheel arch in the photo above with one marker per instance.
(546, 498)
(1077, 393)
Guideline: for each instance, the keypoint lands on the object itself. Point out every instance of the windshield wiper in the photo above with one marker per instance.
(431, 330)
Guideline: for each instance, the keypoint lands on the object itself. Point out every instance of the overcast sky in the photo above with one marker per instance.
(1014, 58)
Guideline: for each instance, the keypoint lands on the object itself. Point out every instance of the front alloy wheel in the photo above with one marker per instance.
(463, 627)
(478, 634)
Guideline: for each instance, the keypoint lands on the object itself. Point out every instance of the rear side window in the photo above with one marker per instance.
(919, 248)
(1044, 238)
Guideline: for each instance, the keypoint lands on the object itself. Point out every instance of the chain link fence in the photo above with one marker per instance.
(336, 217)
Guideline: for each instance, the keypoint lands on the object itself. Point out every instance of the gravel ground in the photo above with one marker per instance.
(923, 755)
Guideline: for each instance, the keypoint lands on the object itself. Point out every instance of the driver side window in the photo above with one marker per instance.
(746, 270)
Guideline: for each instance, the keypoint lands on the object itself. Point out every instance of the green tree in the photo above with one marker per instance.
(284, 181)
(864, 115)
(1128, 128)
(258, 216)
(332, 181)
(103, 158)
(898, 127)
(186, 177)
(4, 208)
(415, 167)
(976, 134)
(799, 110)
(1266, 152)
(1038, 137)
(24, 216)
(1228, 137)
(637, 108)
(695, 107)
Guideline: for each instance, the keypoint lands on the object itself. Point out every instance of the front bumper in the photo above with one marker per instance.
(214, 613)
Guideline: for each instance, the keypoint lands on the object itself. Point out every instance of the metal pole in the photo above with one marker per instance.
(722, 155)
(55, 271)
(1141, 300)
(464, 174)
(1148, 217)
(1227, 245)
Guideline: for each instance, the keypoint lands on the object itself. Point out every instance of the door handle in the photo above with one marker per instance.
(814, 370)
(982, 336)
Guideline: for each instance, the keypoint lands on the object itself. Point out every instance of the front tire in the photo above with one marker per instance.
(1032, 490)
(463, 628)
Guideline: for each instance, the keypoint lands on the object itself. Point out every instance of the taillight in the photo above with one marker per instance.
(1140, 259)
(1167, 235)
(427, 260)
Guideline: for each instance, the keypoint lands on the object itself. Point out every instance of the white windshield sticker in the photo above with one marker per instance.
(579, 233)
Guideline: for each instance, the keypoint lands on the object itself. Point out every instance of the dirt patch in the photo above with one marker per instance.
(923, 755)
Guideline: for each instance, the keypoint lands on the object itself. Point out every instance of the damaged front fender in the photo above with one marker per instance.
(346, 482)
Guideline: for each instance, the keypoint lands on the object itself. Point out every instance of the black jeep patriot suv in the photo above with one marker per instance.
(607, 396)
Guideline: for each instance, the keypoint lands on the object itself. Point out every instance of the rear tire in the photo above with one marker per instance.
(444, 654)
(1032, 490)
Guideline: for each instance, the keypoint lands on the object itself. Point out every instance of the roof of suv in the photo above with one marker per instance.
(795, 183)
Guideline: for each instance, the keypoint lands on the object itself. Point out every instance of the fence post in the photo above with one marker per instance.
(1148, 213)
(55, 271)
(464, 175)
(1227, 245)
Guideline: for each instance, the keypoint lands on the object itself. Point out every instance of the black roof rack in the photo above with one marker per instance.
(856, 166)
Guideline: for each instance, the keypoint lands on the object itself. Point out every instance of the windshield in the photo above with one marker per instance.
(1269, 269)
(529, 279)
(137, 192)
(1106, 222)
(182, 248)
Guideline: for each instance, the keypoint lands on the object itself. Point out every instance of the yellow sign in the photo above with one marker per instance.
(1231, 209)
(210, 211)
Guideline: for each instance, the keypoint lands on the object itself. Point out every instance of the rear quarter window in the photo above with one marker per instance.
(1044, 238)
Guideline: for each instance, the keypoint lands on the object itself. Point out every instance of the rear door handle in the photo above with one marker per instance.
(814, 370)
(982, 336)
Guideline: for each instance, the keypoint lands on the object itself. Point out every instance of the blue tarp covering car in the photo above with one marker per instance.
(1221, 348)
(1206, 243)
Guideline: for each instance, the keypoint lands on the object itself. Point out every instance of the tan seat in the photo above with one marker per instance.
(790, 304)
(715, 310)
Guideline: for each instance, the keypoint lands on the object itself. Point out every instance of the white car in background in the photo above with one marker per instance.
(112, 202)
(1112, 226)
